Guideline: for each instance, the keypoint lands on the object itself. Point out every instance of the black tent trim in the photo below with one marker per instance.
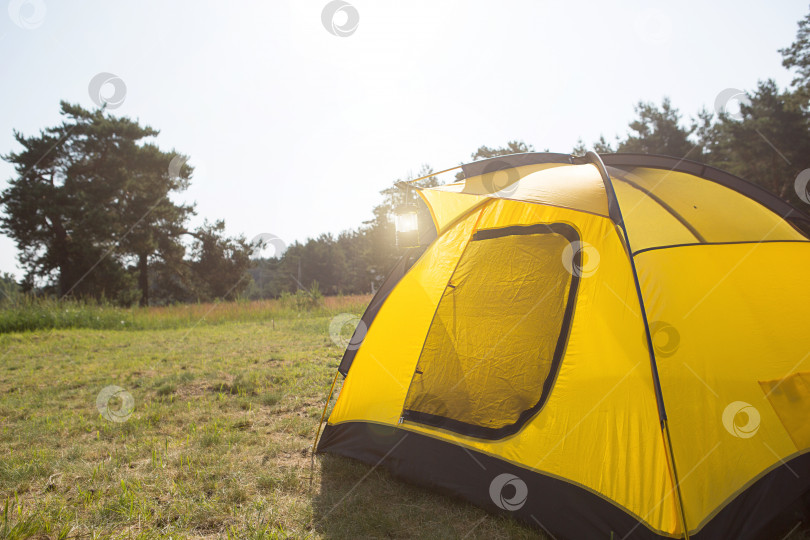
(460, 471)
(499, 163)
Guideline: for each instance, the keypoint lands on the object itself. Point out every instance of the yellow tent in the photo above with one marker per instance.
(599, 346)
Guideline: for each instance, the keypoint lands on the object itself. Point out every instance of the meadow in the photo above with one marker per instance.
(208, 434)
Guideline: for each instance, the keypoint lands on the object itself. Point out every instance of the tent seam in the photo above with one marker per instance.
(613, 202)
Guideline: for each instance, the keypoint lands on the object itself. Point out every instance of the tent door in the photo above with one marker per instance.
(499, 332)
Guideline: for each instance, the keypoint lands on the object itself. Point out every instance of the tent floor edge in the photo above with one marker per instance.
(767, 508)
(545, 504)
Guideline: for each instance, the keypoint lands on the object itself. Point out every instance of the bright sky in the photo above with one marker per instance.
(293, 130)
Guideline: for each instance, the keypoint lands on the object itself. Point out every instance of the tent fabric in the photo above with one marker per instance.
(517, 345)
(394, 275)
(687, 209)
(735, 329)
(497, 332)
(446, 205)
(628, 161)
(790, 399)
(578, 187)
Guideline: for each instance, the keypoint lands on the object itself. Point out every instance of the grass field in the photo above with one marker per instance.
(226, 401)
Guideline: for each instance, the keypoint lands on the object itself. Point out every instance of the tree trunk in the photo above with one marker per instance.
(60, 248)
(143, 278)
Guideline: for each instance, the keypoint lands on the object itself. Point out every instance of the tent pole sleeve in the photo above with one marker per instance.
(616, 216)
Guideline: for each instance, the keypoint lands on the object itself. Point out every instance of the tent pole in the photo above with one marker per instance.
(432, 174)
(615, 214)
(323, 415)
(318, 433)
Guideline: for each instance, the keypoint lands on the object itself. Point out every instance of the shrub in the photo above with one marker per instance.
(303, 300)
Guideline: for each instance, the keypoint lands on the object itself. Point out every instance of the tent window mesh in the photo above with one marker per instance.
(498, 334)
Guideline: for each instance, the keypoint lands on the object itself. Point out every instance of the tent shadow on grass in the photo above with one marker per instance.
(354, 501)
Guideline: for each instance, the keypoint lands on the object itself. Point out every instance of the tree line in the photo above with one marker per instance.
(92, 215)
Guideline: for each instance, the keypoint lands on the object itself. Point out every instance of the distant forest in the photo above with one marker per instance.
(91, 212)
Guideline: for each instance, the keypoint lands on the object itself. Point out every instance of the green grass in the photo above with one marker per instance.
(217, 446)
(28, 314)
(218, 443)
